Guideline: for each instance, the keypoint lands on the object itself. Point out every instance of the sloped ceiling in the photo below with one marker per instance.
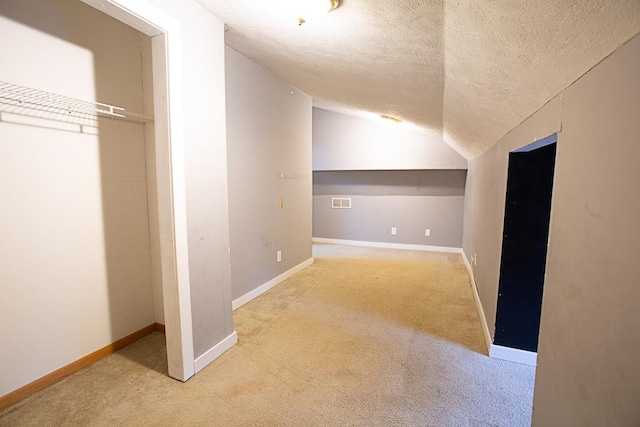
(468, 71)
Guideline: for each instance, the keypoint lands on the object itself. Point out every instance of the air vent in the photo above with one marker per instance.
(340, 203)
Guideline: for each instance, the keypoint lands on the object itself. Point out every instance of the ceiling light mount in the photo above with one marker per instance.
(333, 4)
(315, 8)
(390, 118)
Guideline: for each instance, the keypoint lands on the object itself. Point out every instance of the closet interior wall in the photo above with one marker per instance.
(78, 262)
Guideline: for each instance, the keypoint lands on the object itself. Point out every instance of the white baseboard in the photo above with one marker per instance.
(513, 355)
(214, 352)
(388, 245)
(239, 302)
(497, 351)
(483, 319)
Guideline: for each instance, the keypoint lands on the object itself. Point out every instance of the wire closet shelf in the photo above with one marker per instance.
(22, 100)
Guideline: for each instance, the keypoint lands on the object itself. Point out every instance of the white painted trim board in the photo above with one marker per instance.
(388, 245)
(483, 319)
(497, 351)
(251, 295)
(214, 352)
(513, 355)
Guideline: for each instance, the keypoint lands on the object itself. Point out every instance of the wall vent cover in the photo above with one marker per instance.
(340, 203)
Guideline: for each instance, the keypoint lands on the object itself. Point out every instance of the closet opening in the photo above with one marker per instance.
(524, 245)
(166, 72)
(94, 226)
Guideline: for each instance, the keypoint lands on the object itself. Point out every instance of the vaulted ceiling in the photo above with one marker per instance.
(467, 71)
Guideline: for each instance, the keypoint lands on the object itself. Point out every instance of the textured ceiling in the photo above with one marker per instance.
(466, 70)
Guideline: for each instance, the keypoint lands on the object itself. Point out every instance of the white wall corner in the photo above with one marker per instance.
(249, 296)
(386, 245)
(483, 319)
(513, 355)
(214, 352)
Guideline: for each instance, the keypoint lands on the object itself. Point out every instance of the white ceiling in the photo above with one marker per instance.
(468, 71)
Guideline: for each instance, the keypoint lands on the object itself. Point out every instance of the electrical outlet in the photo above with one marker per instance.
(393, 231)
(278, 256)
(427, 232)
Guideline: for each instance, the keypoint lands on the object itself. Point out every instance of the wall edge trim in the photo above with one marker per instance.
(214, 352)
(386, 245)
(63, 372)
(251, 295)
(476, 296)
(513, 355)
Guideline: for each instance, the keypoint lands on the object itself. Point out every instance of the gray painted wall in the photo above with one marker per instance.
(342, 142)
(587, 357)
(410, 201)
(390, 183)
(396, 175)
(269, 158)
(205, 155)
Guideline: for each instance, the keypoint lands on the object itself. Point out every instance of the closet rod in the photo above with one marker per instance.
(21, 99)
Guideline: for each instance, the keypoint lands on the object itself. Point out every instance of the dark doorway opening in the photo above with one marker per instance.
(524, 245)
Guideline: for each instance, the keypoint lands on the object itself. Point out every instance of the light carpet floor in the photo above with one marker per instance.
(363, 337)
